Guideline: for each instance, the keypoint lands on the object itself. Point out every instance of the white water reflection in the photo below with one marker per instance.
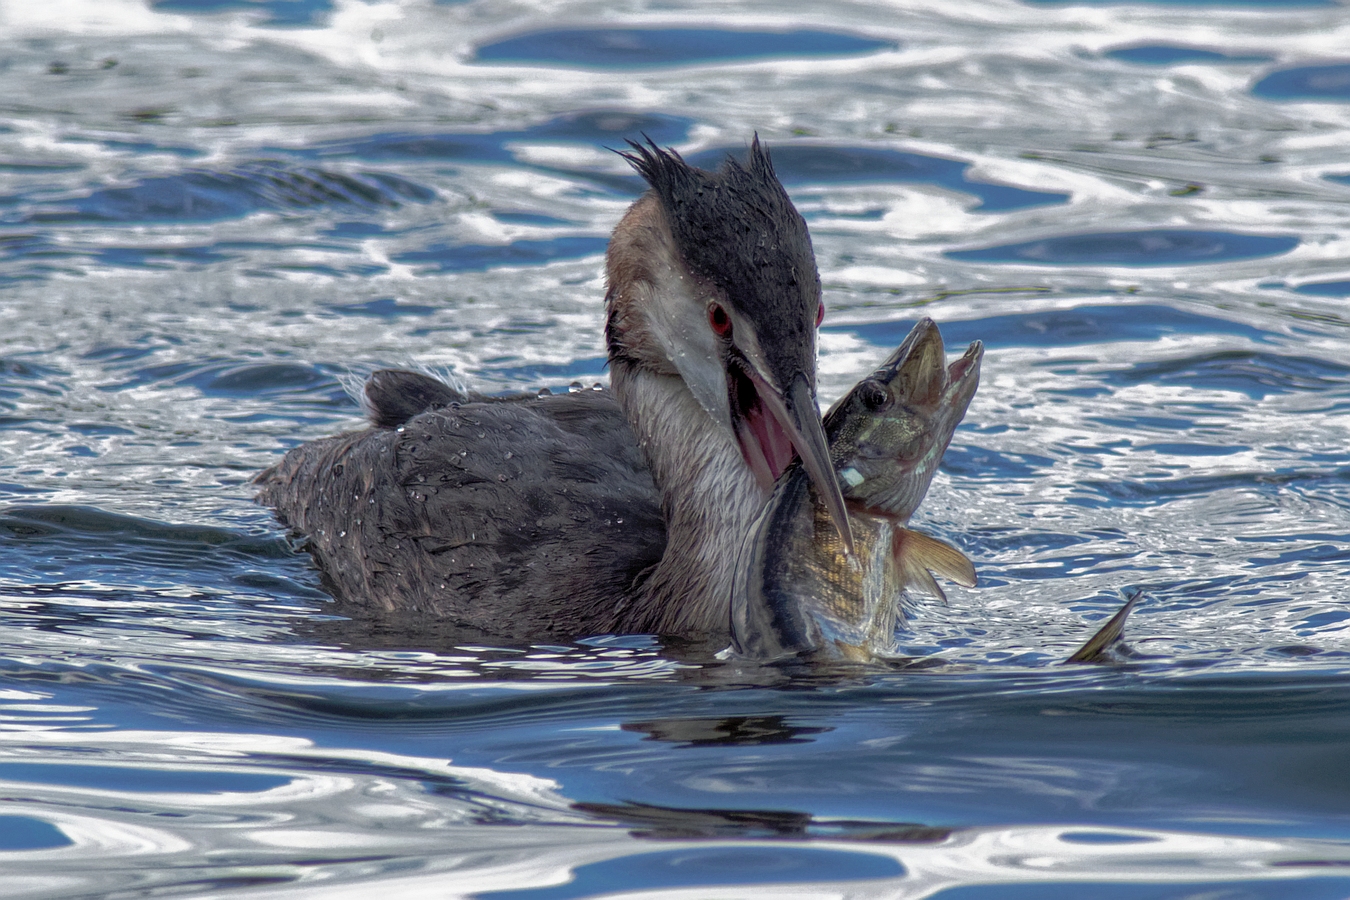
(343, 820)
(336, 813)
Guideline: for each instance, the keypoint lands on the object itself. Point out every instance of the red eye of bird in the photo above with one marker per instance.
(719, 320)
(820, 314)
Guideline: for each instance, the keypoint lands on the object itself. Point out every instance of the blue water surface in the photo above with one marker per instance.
(1158, 247)
(218, 217)
(1326, 82)
(647, 47)
(799, 165)
(19, 833)
(676, 869)
(1325, 288)
(277, 13)
(1174, 54)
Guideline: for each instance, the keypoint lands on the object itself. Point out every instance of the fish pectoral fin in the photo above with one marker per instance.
(917, 575)
(920, 557)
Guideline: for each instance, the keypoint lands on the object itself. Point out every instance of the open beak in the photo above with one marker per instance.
(774, 423)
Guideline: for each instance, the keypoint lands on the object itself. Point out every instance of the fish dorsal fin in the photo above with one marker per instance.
(921, 556)
(1095, 650)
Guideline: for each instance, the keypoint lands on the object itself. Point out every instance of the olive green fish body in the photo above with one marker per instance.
(798, 590)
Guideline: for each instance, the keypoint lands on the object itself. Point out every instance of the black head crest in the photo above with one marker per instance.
(667, 172)
(737, 229)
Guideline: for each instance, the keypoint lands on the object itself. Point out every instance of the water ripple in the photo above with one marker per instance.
(815, 164)
(1257, 375)
(1160, 247)
(1174, 54)
(628, 48)
(214, 213)
(202, 196)
(1306, 83)
(1074, 326)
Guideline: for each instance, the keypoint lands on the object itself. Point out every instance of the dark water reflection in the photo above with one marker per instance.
(738, 731)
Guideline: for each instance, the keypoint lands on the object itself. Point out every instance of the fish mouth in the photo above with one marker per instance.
(963, 376)
(773, 427)
(925, 381)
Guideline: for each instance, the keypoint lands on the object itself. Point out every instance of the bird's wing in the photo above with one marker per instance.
(519, 518)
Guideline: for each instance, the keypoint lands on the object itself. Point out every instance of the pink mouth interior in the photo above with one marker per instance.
(765, 444)
(957, 370)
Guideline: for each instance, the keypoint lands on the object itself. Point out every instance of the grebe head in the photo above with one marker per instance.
(712, 279)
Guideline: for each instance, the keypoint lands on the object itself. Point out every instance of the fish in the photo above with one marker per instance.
(1107, 645)
(798, 590)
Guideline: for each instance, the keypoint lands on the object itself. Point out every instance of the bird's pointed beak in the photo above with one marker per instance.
(792, 415)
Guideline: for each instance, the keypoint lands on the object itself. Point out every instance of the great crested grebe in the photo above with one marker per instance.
(595, 512)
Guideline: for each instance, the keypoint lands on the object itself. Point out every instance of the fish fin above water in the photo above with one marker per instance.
(918, 576)
(921, 556)
(1099, 645)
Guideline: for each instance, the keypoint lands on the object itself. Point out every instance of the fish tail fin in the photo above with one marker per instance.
(921, 556)
(1107, 636)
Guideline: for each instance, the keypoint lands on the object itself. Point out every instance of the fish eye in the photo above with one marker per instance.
(872, 395)
(719, 320)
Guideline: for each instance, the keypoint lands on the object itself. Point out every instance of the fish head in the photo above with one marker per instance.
(888, 434)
